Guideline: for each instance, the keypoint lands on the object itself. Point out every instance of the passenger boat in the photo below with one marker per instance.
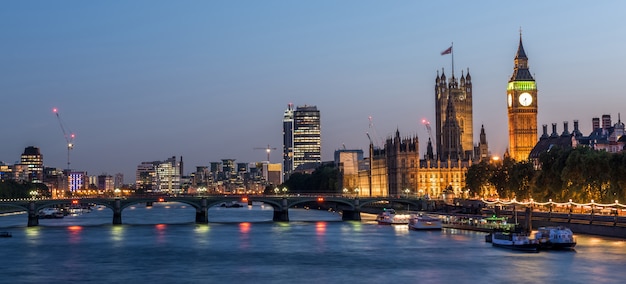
(389, 217)
(514, 241)
(49, 213)
(424, 222)
(555, 238)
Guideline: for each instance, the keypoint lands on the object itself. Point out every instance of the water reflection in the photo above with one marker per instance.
(74, 236)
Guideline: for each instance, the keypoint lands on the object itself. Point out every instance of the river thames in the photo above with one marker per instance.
(162, 244)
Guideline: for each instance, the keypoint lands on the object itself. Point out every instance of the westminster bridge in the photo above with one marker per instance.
(349, 206)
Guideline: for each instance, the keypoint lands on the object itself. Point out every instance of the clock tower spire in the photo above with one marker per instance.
(522, 107)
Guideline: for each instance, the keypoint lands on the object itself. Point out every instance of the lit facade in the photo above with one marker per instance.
(30, 168)
(77, 181)
(301, 138)
(288, 142)
(522, 108)
(456, 97)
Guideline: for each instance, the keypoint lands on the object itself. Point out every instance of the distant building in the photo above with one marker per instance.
(397, 170)
(77, 181)
(301, 138)
(347, 161)
(118, 181)
(604, 137)
(159, 176)
(30, 168)
(105, 183)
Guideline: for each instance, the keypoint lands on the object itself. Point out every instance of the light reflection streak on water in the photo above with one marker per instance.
(160, 233)
(74, 236)
(244, 235)
(401, 229)
(32, 234)
(320, 228)
(117, 234)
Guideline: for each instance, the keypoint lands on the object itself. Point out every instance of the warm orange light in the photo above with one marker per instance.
(74, 201)
(320, 199)
(244, 199)
(161, 199)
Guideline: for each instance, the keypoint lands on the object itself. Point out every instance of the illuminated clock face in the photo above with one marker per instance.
(510, 99)
(525, 99)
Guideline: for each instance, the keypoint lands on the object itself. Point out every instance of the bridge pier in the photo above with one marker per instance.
(33, 217)
(202, 214)
(351, 215)
(117, 212)
(281, 214)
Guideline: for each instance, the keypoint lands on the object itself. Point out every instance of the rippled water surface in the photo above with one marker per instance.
(162, 244)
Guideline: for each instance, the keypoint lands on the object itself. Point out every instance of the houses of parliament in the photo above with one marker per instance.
(397, 168)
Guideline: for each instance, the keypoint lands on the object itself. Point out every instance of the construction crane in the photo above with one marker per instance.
(268, 149)
(430, 132)
(371, 126)
(69, 139)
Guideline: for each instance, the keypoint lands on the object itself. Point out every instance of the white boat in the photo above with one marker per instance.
(514, 241)
(49, 213)
(389, 217)
(424, 222)
(555, 238)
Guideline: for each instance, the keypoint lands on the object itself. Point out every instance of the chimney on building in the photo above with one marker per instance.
(554, 134)
(565, 129)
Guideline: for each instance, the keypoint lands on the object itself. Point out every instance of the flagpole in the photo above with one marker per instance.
(452, 46)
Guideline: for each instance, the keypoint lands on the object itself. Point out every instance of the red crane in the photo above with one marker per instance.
(69, 139)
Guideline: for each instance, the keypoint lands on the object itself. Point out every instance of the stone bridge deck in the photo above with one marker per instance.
(349, 206)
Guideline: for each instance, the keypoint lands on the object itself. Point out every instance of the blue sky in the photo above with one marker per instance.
(208, 80)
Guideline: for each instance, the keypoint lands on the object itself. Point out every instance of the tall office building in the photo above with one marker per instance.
(288, 142)
(31, 166)
(522, 107)
(301, 138)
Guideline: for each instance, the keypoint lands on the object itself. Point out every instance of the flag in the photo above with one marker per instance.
(447, 51)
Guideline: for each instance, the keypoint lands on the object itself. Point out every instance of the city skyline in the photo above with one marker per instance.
(147, 80)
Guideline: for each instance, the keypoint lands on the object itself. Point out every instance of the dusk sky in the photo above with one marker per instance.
(209, 80)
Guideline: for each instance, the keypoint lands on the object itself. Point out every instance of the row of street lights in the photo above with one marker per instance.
(277, 190)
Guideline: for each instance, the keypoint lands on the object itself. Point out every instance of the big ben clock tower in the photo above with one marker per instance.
(522, 108)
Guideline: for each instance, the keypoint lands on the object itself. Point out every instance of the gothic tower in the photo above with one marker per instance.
(522, 108)
(459, 94)
(402, 158)
(452, 148)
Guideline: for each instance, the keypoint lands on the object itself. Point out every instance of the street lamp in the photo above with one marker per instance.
(345, 191)
(276, 190)
(406, 191)
(202, 190)
(117, 192)
(284, 190)
(33, 194)
(356, 191)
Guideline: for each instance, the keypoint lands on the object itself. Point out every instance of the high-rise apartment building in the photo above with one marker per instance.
(301, 137)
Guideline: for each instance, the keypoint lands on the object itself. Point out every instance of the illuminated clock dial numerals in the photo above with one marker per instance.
(525, 99)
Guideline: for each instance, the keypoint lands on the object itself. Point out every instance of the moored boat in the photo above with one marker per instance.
(424, 222)
(514, 241)
(389, 217)
(555, 238)
(49, 213)
(5, 235)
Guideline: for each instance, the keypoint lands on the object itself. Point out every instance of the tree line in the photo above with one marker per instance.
(581, 174)
(14, 189)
